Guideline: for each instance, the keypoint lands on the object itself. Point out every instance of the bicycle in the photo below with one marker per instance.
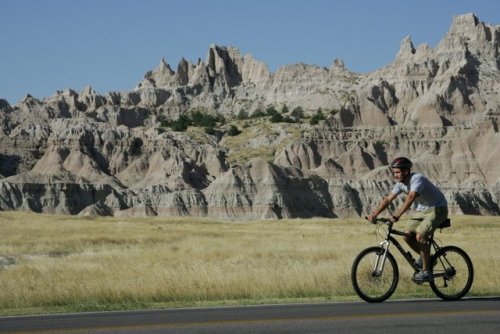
(375, 272)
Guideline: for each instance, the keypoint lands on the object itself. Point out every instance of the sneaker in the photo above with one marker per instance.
(422, 277)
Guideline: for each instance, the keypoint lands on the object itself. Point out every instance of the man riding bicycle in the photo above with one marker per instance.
(431, 211)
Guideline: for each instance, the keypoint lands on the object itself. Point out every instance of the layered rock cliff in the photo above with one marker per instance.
(90, 154)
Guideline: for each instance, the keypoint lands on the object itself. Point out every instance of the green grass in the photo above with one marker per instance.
(58, 263)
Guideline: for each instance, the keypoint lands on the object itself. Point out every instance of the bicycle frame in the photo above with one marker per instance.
(384, 247)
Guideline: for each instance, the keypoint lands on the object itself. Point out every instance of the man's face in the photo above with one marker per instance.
(399, 174)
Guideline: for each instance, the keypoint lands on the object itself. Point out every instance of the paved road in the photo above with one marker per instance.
(424, 316)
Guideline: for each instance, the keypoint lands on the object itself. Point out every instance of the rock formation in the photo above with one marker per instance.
(89, 154)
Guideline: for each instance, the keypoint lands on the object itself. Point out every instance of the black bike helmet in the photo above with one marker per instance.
(402, 163)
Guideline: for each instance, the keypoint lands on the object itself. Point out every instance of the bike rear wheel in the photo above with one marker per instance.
(373, 284)
(453, 273)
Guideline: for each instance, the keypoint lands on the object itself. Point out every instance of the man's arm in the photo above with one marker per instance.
(382, 206)
(406, 205)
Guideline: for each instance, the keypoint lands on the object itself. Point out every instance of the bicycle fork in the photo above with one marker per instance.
(380, 260)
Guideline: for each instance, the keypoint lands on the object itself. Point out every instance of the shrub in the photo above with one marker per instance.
(243, 114)
(180, 124)
(298, 112)
(317, 117)
(258, 113)
(195, 118)
(201, 119)
(161, 118)
(233, 131)
(271, 111)
(276, 118)
(210, 130)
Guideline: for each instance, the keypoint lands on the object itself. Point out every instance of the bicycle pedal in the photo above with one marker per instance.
(418, 282)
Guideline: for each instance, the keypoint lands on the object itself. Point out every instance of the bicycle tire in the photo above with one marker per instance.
(453, 273)
(368, 286)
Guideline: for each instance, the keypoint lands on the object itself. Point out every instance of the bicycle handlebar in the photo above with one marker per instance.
(390, 224)
(386, 221)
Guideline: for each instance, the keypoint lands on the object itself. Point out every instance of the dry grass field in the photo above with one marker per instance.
(52, 263)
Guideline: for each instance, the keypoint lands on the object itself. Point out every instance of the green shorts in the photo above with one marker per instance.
(426, 222)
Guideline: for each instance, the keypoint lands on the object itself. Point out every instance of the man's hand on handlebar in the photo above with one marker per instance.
(393, 219)
(374, 220)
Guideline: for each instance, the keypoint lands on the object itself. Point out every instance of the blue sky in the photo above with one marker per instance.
(49, 45)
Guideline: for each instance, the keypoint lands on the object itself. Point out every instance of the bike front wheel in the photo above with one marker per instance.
(374, 279)
(453, 273)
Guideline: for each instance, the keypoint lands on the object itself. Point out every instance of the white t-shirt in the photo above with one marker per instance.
(428, 195)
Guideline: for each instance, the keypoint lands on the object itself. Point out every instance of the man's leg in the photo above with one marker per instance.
(412, 242)
(411, 228)
(425, 251)
(432, 219)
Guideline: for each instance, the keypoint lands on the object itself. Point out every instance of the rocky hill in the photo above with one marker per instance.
(227, 138)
